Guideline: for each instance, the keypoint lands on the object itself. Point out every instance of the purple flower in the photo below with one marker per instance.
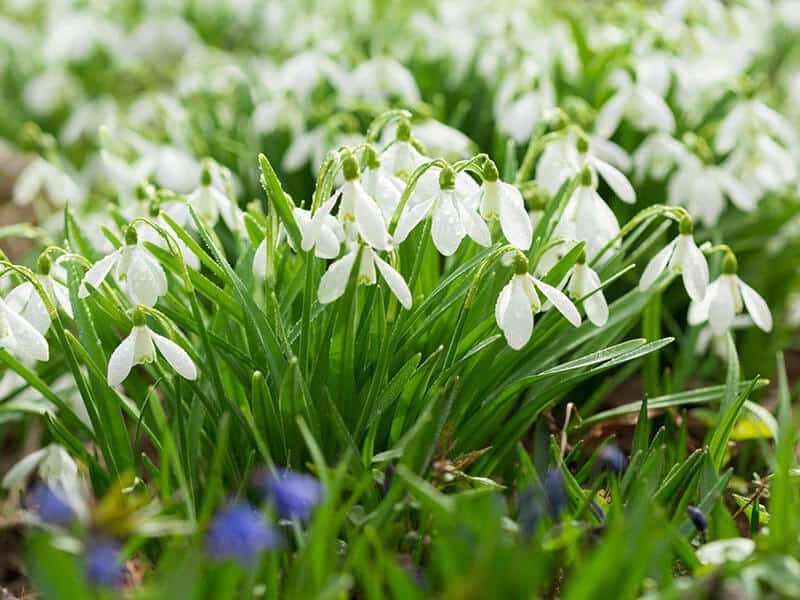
(295, 495)
(546, 498)
(240, 533)
(50, 505)
(698, 518)
(612, 459)
(103, 564)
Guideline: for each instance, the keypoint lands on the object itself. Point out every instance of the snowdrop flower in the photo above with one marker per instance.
(140, 348)
(683, 256)
(726, 297)
(519, 106)
(762, 165)
(565, 158)
(334, 282)
(19, 337)
(587, 218)
(26, 301)
(702, 189)
(141, 275)
(153, 209)
(719, 343)
(442, 141)
(656, 156)
(320, 231)
(382, 185)
(401, 158)
(638, 103)
(519, 300)
(750, 119)
(454, 210)
(360, 209)
(210, 203)
(42, 178)
(503, 201)
(58, 471)
(584, 281)
(380, 79)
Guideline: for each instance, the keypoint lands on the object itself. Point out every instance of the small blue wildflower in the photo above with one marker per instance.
(295, 495)
(555, 492)
(698, 518)
(50, 505)
(549, 497)
(612, 459)
(240, 533)
(103, 563)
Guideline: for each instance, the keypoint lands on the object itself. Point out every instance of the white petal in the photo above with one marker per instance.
(656, 266)
(30, 343)
(121, 361)
(260, 260)
(616, 181)
(334, 282)
(308, 228)
(611, 114)
(694, 268)
(558, 299)
(721, 309)
(742, 196)
(474, 225)
(97, 273)
(657, 110)
(447, 230)
(517, 318)
(595, 305)
(412, 215)
(370, 220)
(62, 297)
(514, 219)
(698, 311)
(26, 301)
(24, 468)
(395, 281)
(756, 306)
(328, 243)
(502, 304)
(143, 280)
(728, 130)
(175, 356)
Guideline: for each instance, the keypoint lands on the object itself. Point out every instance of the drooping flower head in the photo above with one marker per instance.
(238, 532)
(504, 202)
(140, 348)
(682, 256)
(726, 297)
(139, 274)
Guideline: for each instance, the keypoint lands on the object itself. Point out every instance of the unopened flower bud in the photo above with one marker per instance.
(612, 459)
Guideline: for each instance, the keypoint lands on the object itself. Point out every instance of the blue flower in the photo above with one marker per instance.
(612, 459)
(240, 533)
(295, 495)
(50, 505)
(546, 498)
(103, 564)
(698, 518)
